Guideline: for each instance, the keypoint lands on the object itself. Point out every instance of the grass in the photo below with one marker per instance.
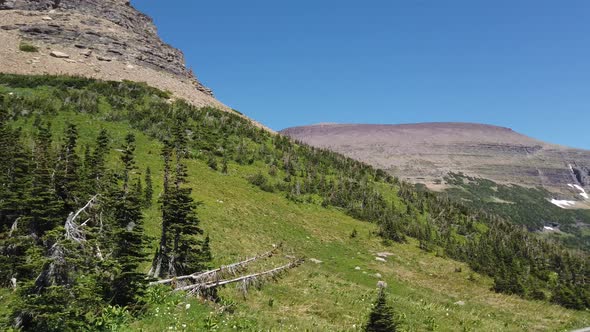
(26, 47)
(333, 296)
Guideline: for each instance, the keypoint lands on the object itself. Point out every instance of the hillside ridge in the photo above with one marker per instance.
(426, 152)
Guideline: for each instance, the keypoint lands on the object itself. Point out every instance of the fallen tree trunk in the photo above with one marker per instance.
(219, 273)
(247, 280)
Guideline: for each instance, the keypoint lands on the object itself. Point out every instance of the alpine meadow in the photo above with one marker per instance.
(131, 199)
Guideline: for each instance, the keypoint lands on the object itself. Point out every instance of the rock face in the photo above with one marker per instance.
(426, 152)
(112, 29)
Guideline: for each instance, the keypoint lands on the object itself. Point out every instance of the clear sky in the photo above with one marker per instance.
(523, 64)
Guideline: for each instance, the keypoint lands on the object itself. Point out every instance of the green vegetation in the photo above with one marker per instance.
(525, 206)
(381, 318)
(268, 190)
(26, 47)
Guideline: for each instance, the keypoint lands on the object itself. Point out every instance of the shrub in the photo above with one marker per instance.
(26, 47)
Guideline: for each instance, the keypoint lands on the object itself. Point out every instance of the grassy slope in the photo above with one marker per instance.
(526, 206)
(243, 220)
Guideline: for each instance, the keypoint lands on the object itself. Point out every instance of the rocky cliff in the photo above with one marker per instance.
(106, 39)
(426, 152)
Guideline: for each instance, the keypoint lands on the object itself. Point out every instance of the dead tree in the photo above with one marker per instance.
(201, 283)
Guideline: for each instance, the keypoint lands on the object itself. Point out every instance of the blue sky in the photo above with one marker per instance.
(520, 64)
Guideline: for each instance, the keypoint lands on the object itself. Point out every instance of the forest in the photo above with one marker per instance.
(71, 221)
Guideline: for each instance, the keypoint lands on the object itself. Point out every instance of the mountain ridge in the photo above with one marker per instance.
(426, 152)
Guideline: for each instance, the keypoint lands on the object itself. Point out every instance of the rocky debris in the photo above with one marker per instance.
(358, 268)
(86, 53)
(381, 284)
(314, 260)
(103, 58)
(384, 254)
(378, 275)
(380, 259)
(461, 303)
(112, 28)
(60, 55)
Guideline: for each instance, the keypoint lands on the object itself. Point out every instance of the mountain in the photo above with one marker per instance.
(116, 195)
(105, 39)
(427, 152)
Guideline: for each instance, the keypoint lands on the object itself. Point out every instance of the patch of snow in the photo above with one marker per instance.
(583, 192)
(547, 228)
(563, 203)
(380, 259)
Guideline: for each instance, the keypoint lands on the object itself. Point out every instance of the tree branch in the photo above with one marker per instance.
(216, 274)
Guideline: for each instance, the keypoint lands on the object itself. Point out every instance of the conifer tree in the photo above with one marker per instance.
(45, 207)
(381, 317)
(129, 239)
(149, 188)
(67, 174)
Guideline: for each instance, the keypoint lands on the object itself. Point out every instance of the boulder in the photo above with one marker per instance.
(59, 55)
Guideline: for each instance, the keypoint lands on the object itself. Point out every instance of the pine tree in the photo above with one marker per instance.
(180, 250)
(129, 239)
(97, 163)
(149, 188)
(45, 206)
(67, 173)
(381, 317)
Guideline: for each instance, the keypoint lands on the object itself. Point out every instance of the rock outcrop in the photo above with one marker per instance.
(426, 152)
(133, 39)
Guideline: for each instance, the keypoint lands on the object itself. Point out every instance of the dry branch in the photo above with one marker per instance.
(248, 280)
(73, 230)
(219, 273)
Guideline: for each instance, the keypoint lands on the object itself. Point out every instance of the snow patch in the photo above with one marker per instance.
(582, 193)
(547, 228)
(563, 203)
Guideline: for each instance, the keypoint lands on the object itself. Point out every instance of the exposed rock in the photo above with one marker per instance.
(57, 54)
(461, 303)
(378, 275)
(357, 268)
(380, 259)
(314, 260)
(426, 152)
(384, 254)
(103, 58)
(115, 29)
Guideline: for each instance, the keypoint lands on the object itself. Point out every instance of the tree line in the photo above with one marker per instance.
(519, 262)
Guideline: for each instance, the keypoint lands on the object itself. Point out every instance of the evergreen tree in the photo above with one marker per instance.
(149, 187)
(129, 239)
(381, 317)
(45, 206)
(67, 173)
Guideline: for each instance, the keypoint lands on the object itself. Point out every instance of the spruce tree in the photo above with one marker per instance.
(45, 206)
(381, 317)
(67, 180)
(129, 239)
(149, 188)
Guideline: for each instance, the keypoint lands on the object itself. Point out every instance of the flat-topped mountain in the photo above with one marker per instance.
(426, 152)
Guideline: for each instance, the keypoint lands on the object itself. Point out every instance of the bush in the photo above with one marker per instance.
(26, 47)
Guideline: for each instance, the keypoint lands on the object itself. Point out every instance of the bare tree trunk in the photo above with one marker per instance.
(221, 272)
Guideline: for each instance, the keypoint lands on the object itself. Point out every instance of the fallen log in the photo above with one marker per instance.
(247, 280)
(218, 273)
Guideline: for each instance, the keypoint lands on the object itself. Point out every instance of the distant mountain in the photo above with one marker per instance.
(427, 152)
